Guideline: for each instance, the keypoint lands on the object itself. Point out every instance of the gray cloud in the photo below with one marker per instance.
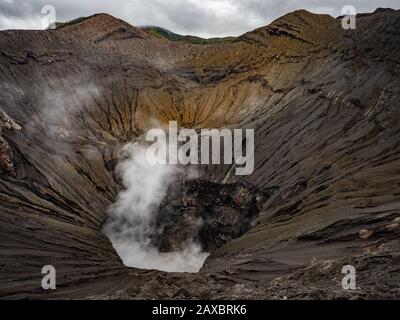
(205, 18)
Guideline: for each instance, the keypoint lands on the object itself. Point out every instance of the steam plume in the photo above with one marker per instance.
(129, 224)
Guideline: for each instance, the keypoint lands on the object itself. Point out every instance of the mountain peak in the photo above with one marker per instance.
(300, 25)
(103, 26)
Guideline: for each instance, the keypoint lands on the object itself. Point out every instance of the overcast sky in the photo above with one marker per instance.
(205, 18)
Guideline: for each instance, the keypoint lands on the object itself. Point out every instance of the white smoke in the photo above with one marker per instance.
(129, 223)
(62, 102)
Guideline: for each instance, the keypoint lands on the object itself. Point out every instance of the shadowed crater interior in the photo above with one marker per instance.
(208, 213)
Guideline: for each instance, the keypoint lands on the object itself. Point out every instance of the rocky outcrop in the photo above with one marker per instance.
(324, 105)
(207, 213)
(6, 154)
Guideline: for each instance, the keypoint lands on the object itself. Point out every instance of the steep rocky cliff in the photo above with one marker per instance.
(324, 103)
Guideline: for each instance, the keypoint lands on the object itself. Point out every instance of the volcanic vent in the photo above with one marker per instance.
(165, 218)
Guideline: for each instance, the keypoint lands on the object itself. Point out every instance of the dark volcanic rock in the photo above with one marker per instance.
(207, 213)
